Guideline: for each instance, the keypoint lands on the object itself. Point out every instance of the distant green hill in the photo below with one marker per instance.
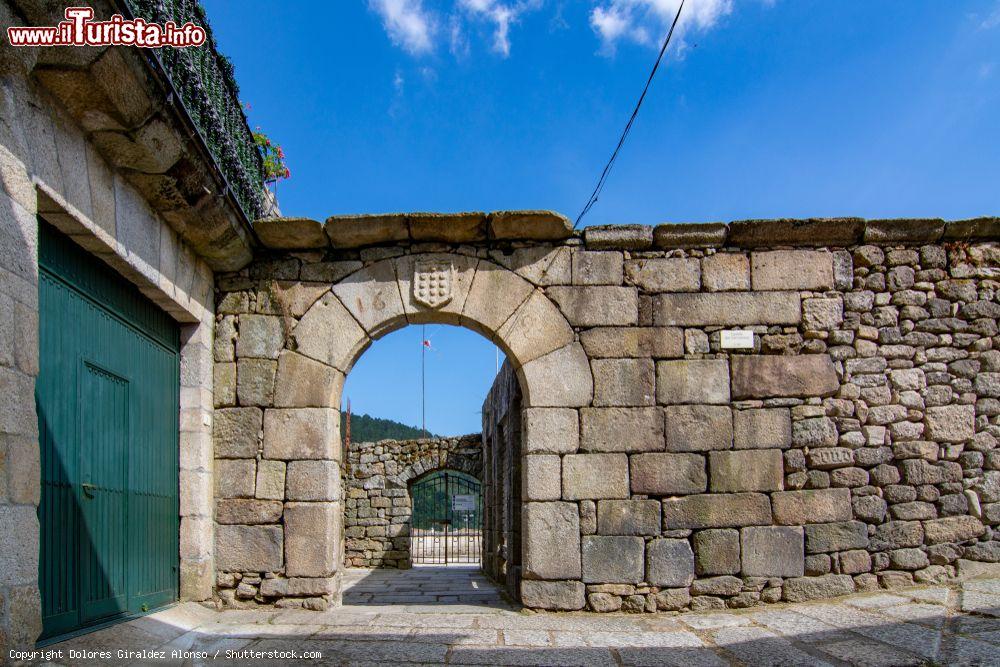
(373, 429)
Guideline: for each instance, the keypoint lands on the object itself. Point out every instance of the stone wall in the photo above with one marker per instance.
(502, 482)
(851, 447)
(378, 504)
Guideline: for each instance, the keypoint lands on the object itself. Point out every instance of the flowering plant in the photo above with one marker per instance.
(274, 158)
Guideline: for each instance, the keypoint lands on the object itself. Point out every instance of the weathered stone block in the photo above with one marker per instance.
(594, 476)
(951, 423)
(621, 429)
(625, 237)
(762, 428)
(353, 231)
(796, 232)
(698, 428)
(372, 297)
(249, 548)
(772, 551)
(795, 508)
(716, 511)
(551, 430)
(725, 271)
(692, 381)
(814, 432)
(767, 376)
(224, 384)
(841, 536)
(255, 381)
(597, 268)
(749, 470)
(542, 477)
(828, 458)
(247, 511)
(558, 379)
(612, 560)
(330, 334)
(290, 233)
(801, 589)
(236, 431)
(628, 517)
(952, 529)
(822, 314)
(792, 269)
(597, 306)
(313, 480)
(623, 382)
(270, 480)
(717, 551)
(529, 225)
(312, 532)
(726, 309)
(667, 474)
(554, 595)
(897, 534)
(659, 342)
(234, 478)
(669, 563)
(698, 235)
(261, 336)
(301, 433)
(664, 275)
(551, 540)
(466, 227)
(535, 329)
(305, 383)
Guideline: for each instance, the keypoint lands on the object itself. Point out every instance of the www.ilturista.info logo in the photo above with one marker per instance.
(80, 30)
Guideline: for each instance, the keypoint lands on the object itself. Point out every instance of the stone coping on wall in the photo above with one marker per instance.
(356, 231)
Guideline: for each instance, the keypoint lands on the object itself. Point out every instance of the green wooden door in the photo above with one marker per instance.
(107, 398)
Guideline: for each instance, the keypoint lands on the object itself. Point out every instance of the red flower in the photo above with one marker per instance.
(288, 173)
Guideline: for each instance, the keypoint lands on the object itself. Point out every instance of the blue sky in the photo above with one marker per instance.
(764, 108)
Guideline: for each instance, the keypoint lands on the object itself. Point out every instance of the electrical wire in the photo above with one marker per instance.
(595, 195)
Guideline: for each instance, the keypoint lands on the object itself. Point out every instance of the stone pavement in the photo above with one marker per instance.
(929, 625)
(441, 585)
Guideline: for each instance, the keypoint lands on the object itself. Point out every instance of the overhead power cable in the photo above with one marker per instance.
(595, 195)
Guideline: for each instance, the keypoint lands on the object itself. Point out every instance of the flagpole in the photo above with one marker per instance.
(423, 378)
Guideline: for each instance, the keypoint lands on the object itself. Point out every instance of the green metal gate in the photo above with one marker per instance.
(446, 524)
(107, 399)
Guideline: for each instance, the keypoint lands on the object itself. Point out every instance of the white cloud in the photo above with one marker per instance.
(407, 23)
(502, 15)
(993, 20)
(647, 21)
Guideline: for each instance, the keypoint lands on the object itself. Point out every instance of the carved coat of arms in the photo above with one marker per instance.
(432, 282)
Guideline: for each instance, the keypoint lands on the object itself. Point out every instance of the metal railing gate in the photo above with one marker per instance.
(446, 524)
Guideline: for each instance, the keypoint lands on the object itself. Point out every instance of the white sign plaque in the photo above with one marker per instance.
(737, 339)
(463, 503)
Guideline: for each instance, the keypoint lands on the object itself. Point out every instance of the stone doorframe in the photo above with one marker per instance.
(301, 426)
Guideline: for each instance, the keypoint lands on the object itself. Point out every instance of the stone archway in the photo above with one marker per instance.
(332, 333)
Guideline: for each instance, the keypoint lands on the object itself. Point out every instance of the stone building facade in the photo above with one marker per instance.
(378, 503)
(848, 448)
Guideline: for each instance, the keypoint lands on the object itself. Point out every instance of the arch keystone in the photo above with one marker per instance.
(428, 270)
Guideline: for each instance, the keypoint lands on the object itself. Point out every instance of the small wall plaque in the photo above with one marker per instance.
(737, 339)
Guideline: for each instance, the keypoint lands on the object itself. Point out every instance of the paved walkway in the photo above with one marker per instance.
(931, 625)
(439, 585)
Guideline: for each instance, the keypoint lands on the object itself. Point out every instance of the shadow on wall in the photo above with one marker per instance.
(804, 635)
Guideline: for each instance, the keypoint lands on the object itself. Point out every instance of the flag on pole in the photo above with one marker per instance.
(427, 344)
